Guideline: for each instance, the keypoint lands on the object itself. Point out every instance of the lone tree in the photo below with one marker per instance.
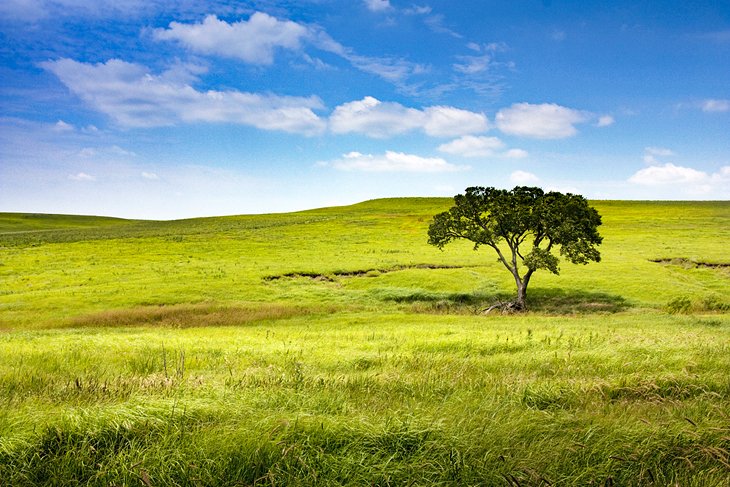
(524, 226)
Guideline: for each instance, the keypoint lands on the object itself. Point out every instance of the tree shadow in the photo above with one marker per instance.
(572, 301)
(539, 300)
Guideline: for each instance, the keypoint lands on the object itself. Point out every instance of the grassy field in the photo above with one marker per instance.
(335, 347)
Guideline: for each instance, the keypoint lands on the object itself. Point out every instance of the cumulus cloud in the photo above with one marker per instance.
(668, 174)
(523, 178)
(543, 121)
(150, 175)
(392, 162)
(716, 106)
(472, 146)
(671, 179)
(134, 97)
(378, 119)
(252, 41)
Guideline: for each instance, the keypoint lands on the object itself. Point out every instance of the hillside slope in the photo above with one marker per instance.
(373, 254)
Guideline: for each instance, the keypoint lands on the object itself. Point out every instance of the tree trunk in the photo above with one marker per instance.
(520, 302)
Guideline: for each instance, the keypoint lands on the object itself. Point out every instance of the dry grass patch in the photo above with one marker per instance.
(196, 315)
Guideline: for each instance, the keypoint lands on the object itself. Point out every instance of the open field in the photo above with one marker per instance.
(334, 346)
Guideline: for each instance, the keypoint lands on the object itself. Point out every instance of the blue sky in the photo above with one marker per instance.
(162, 109)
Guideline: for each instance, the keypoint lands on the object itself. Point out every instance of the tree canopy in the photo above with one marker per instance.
(525, 226)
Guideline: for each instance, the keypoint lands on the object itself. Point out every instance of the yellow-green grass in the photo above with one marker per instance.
(335, 347)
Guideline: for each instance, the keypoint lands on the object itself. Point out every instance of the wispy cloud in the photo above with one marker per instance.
(714, 105)
(134, 97)
(719, 36)
(392, 162)
(605, 121)
(479, 63)
(256, 41)
(418, 10)
(543, 121)
(81, 176)
(378, 5)
(437, 24)
(651, 154)
(39, 10)
(378, 119)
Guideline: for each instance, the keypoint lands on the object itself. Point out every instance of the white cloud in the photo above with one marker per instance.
(38, 10)
(150, 175)
(668, 180)
(22, 10)
(134, 97)
(658, 151)
(82, 176)
(523, 178)
(667, 174)
(436, 24)
(477, 64)
(605, 121)
(418, 10)
(516, 154)
(378, 119)
(62, 126)
(114, 150)
(256, 40)
(473, 64)
(444, 121)
(716, 106)
(252, 41)
(392, 162)
(472, 146)
(378, 5)
(393, 70)
(544, 121)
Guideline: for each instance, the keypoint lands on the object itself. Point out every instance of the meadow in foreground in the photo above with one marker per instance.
(336, 347)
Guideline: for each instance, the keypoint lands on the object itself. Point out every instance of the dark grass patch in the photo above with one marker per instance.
(690, 264)
(540, 300)
(560, 302)
(374, 272)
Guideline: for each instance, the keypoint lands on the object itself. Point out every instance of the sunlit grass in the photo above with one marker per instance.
(335, 347)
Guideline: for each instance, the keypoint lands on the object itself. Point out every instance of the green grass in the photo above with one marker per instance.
(334, 347)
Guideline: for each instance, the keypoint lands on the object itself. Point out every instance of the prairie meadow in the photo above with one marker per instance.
(336, 347)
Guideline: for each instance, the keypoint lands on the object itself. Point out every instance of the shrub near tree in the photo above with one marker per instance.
(527, 228)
